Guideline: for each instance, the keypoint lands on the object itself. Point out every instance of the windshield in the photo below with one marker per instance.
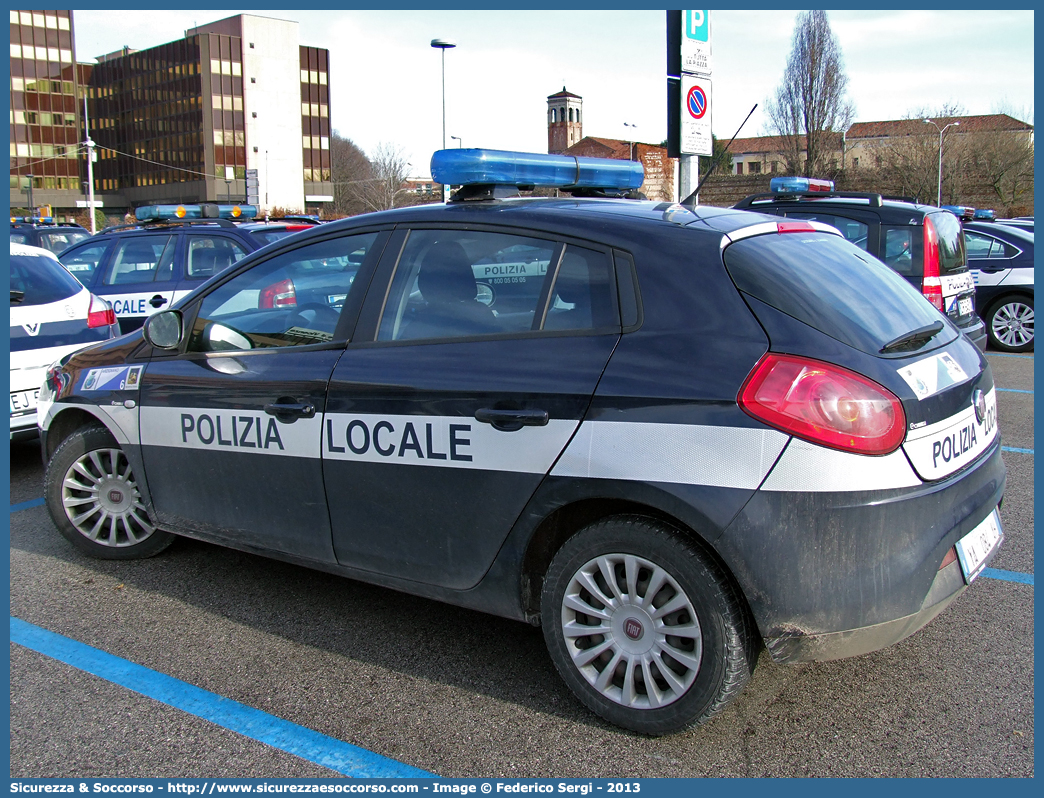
(40, 280)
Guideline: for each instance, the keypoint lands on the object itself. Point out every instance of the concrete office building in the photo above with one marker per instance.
(189, 120)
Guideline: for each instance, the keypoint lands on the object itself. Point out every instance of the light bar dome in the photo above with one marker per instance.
(800, 185)
(470, 167)
(152, 213)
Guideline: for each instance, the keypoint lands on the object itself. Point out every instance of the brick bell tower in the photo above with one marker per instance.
(564, 121)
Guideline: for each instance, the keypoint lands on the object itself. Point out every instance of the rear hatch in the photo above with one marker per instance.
(948, 282)
(823, 299)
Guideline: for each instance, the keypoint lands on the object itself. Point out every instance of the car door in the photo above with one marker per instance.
(990, 261)
(230, 423)
(475, 359)
(139, 278)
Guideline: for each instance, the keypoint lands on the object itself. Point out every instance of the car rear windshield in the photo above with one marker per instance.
(833, 286)
(268, 236)
(40, 280)
(951, 243)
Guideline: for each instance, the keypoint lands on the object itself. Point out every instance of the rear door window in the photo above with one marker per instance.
(465, 283)
(832, 286)
(210, 255)
(852, 229)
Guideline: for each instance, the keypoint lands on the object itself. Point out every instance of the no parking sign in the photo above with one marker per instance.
(696, 116)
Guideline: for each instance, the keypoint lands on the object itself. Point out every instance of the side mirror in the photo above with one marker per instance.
(163, 329)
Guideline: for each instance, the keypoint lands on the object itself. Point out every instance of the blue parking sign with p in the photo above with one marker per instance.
(696, 25)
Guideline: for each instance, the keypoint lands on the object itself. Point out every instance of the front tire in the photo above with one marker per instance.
(1009, 324)
(645, 629)
(93, 498)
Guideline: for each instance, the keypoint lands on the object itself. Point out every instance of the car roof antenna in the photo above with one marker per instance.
(691, 199)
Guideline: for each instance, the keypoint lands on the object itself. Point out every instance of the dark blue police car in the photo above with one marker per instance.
(667, 434)
(170, 250)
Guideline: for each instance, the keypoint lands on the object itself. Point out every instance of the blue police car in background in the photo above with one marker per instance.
(669, 435)
(149, 265)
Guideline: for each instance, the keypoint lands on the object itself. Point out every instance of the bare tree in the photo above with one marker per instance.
(811, 101)
(349, 166)
(387, 183)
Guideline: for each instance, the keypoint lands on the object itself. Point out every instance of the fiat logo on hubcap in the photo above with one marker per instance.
(115, 496)
(633, 629)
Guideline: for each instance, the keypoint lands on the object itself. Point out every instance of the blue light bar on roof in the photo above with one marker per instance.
(462, 167)
(800, 185)
(986, 214)
(153, 213)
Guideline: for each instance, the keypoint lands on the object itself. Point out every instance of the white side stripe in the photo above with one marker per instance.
(245, 431)
(727, 457)
(807, 468)
(443, 442)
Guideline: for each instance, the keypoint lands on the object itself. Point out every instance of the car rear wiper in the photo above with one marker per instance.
(17, 296)
(913, 338)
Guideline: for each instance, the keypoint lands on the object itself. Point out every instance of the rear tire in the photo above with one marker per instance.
(1009, 324)
(645, 628)
(93, 499)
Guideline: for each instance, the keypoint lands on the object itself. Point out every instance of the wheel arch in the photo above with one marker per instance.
(67, 419)
(568, 519)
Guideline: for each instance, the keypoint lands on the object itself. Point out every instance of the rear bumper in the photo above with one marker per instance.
(831, 575)
(976, 331)
(794, 648)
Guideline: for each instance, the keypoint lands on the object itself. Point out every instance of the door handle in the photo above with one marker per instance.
(511, 420)
(288, 411)
(158, 301)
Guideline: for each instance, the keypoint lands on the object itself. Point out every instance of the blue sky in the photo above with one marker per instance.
(386, 88)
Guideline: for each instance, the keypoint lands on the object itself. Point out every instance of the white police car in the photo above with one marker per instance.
(51, 315)
(669, 435)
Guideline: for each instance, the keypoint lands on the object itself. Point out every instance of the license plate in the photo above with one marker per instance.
(21, 401)
(964, 306)
(975, 547)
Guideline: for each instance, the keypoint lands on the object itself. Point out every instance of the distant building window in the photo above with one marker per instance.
(251, 45)
(553, 117)
(570, 114)
(773, 166)
(739, 167)
(855, 163)
(755, 167)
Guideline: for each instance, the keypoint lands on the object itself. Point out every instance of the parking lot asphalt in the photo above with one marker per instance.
(461, 694)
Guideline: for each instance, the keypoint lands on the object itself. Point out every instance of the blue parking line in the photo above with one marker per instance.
(1008, 576)
(1016, 450)
(1000, 354)
(336, 755)
(26, 505)
(1013, 390)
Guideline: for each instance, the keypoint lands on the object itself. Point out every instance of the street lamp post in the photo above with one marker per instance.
(938, 196)
(630, 144)
(460, 142)
(443, 45)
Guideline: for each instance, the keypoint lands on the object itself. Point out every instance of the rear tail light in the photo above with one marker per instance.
(278, 295)
(825, 404)
(932, 285)
(100, 313)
